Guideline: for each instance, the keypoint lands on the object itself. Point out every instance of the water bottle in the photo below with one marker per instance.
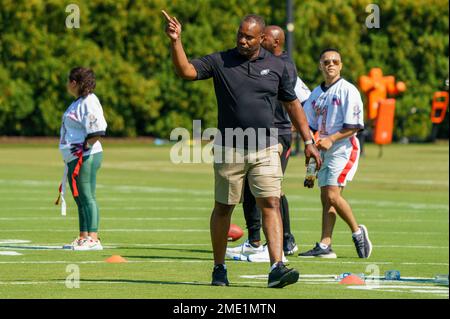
(311, 173)
(441, 279)
(392, 275)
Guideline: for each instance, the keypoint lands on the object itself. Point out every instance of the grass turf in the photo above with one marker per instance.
(156, 215)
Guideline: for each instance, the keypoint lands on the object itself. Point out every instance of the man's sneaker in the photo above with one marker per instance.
(362, 243)
(89, 244)
(219, 276)
(317, 251)
(262, 256)
(76, 242)
(282, 276)
(244, 249)
(289, 245)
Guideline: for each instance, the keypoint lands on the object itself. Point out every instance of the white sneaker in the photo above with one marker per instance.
(89, 244)
(263, 256)
(76, 242)
(245, 249)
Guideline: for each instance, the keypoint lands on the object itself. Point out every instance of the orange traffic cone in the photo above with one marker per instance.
(116, 259)
(352, 280)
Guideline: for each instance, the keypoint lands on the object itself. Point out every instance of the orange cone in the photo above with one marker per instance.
(352, 280)
(116, 259)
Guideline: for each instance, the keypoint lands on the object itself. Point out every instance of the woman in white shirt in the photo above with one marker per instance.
(82, 126)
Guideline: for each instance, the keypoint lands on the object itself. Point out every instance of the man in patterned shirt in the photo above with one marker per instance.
(335, 109)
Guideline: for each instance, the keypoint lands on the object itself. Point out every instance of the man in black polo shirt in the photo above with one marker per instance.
(248, 80)
(274, 40)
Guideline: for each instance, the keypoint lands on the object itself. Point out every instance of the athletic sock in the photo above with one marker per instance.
(323, 246)
(254, 245)
(357, 233)
(273, 266)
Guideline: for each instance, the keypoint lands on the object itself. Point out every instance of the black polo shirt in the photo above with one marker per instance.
(247, 91)
(282, 121)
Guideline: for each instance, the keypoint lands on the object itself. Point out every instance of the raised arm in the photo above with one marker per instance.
(183, 68)
(298, 118)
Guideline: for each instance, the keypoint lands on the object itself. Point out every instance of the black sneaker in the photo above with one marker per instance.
(282, 276)
(362, 243)
(289, 245)
(219, 276)
(317, 251)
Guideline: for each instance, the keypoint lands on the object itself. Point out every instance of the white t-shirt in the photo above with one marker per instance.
(301, 90)
(331, 109)
(82, 119)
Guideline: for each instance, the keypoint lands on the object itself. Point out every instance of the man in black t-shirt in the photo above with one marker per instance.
(248, 81)
(273, 42)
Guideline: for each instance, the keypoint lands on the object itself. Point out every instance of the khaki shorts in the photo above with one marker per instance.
(262, 168)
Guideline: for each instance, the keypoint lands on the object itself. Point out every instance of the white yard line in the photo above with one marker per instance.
(9, 253)
(148, 189)
(113, 245)
(292, 260)
(202, 218)
(181, 230)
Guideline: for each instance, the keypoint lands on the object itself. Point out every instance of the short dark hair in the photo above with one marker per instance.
(255, 18)
(328, 50)
(85, 79)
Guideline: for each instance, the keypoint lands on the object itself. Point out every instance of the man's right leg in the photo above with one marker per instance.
(229, 178)
(219, 226)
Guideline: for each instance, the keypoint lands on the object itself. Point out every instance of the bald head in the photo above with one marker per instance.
(274, 39)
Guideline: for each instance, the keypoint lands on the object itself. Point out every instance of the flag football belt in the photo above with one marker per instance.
(62, 186)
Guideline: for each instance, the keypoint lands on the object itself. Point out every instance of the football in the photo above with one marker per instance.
(235, 232)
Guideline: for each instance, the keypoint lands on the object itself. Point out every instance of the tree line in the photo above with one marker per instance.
(124, 42)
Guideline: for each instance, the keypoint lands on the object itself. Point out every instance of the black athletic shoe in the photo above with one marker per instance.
(317, 251)
(219, 276)
(282, 276)
(362, 243)
(289, 245)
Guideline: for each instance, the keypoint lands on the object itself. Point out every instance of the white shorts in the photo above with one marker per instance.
(339, 163)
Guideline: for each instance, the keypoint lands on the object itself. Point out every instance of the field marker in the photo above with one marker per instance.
(148, 189)
(13, 241)
(9, 253)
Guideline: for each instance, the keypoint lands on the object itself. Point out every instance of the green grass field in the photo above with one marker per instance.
(156, 215)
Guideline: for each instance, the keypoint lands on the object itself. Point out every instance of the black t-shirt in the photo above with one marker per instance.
(247, 91)
(282, 121)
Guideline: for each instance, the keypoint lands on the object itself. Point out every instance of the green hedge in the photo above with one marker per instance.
(124, 42)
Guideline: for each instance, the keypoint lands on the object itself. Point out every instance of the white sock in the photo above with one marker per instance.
(356, 233)
(323, 246)
(224, 266)
(273, 266)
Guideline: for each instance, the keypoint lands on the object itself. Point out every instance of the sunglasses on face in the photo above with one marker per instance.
(328, 62)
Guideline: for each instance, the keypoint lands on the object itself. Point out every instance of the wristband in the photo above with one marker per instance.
(309, 142)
